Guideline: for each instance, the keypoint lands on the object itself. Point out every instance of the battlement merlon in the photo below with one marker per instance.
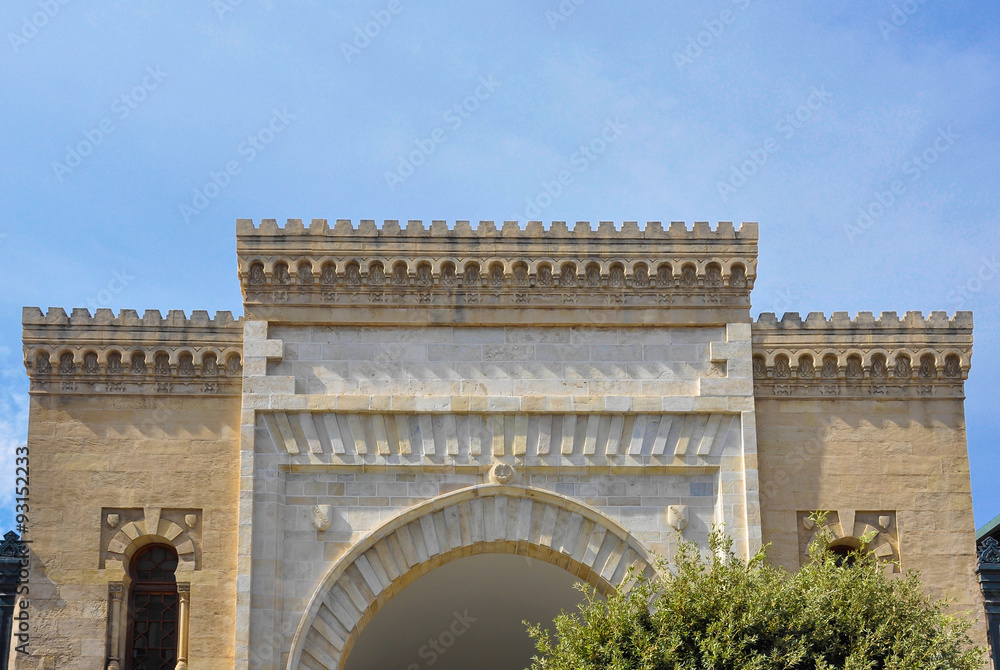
(490, 276)
(533, 230)
(911, 355)
(84, 353)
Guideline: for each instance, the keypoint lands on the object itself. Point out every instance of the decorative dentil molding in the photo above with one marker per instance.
(402, 274)
(129, 354)
(908, 357)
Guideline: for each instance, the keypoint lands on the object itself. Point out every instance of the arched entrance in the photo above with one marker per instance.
(487, 519)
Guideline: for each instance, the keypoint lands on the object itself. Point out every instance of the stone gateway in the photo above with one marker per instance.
(497, 409)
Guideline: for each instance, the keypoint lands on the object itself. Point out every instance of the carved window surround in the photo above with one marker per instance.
(395, 275)
(123, 532)
(850, 527)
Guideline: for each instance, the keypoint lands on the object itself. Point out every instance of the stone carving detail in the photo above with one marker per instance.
(257, 277)
(545, 275)
(874, 531)
(677, 517)
(306, 274)
(181, 350)
(713, 275)
(952, 366)
(190, 520)
(568, 276)
(399, 276)
(233, 366)
(879, 368)
(281, 277)
(738, 278)
(42, 364)
(641, 276)
(115, 363)
(806, 369)
(322, 516)
(161, 365)
(990, 551)
(781, 367)
(856, 355)
(210, 365)
(424, 277)
(903, 369)
(185, 365)
(855, 369)
(557, 267)
(90, 366)
(665, 276)
(927, 369)
(132, 526)
(328, 277)
(138, 363)
(353, 274)
(502, 473)
(830, 367)
(472, 274)
(496, 275)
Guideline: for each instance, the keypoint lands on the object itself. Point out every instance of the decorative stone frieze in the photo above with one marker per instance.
(129, 354)
(908, 357)
(390, 274)
(544, 440)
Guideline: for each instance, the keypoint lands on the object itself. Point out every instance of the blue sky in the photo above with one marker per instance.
(797, 115)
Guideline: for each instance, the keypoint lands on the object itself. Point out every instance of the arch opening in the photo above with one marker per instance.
(488, 519)
(466, 614)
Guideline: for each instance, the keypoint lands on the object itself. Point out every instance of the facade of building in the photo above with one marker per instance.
(988, 542)
(11, 554)
(251, 492)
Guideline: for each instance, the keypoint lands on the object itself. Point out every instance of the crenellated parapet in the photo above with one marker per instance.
(890, 356)
(391, 274)
(128, 354)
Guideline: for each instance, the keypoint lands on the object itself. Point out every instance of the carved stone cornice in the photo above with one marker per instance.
(394, 275)
(128, 354)
(892, 357)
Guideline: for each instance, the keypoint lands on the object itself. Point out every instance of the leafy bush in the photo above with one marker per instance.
(724, 613)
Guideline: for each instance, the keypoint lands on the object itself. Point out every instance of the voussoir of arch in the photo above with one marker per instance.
(488, 518)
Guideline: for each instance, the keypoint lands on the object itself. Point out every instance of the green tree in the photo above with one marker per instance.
(724, 613)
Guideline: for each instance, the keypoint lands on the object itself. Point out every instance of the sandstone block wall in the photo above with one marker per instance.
(92, 454)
